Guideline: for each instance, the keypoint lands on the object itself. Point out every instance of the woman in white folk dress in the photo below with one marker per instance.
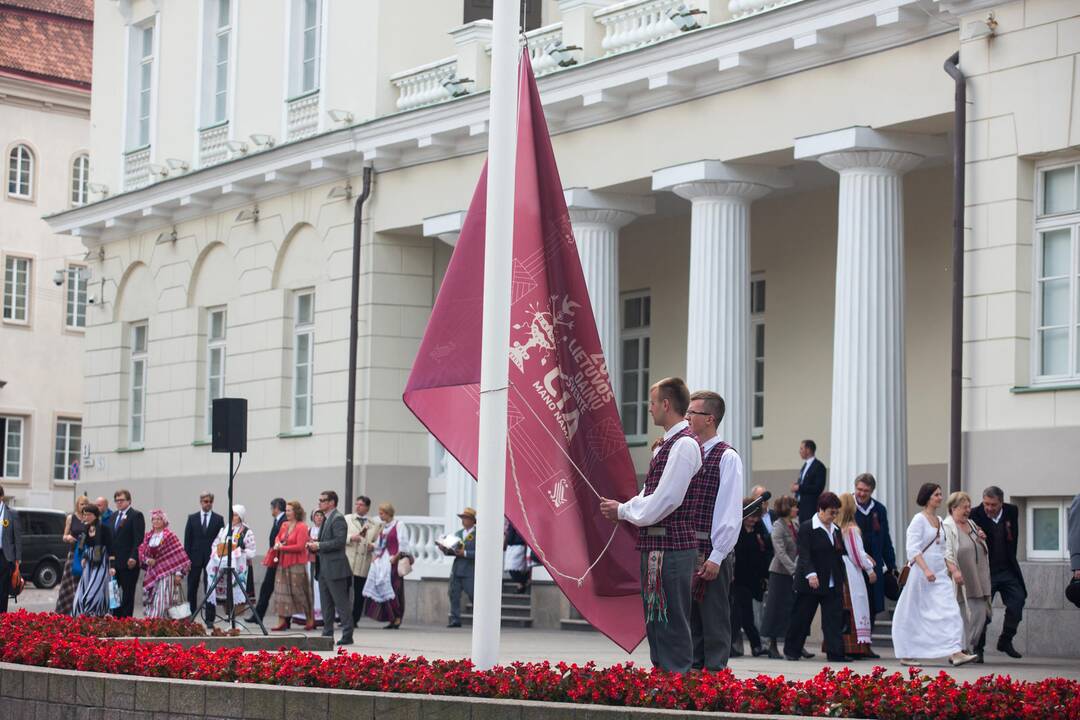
(927, 621)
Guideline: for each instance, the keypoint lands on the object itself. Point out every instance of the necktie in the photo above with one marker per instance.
(119, 517)
(204, 522)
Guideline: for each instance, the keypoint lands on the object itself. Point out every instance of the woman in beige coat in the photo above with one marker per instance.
(965, 548)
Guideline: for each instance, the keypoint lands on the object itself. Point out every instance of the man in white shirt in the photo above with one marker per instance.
(716, 496)
(10, 548)
(666, 528)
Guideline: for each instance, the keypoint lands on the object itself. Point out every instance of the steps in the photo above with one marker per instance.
(516, 607)
(882, 636)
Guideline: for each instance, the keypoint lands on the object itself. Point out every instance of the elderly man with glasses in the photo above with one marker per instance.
(332, 568)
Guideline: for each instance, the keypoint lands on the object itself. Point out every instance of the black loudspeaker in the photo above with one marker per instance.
(230, 425)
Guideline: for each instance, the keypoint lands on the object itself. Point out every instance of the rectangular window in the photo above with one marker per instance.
(305, 46)
(80, 180)
(17, 289)
(757, 342)
(634, 391)
(303, 359)
(75, 300)
(1057, 276)
(1046, 529)
(215, 362)
(11, 434)
(137, 396)
(141, 85)
(68, 442)
(217, 44)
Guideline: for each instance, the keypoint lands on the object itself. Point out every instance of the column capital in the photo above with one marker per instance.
(717, 179)
(864, 148)
(446, 227)
(614, 209)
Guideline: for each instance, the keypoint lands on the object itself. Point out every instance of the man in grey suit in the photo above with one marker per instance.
(10, 548)
(464, 569)
(332, 568)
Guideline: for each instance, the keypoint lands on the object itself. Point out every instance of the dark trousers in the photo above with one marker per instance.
(334, 597)
(832, 618)
(710, 620)
(671, 645)
(742, 614)
(457, 585)
(127, 578)
(266, 590)
(358, 598)
(1013, 595)
(196, 576)
(6, 568)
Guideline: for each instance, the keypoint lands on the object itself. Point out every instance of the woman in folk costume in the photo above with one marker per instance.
(385, 587)
(927, 621)
(243, 551)
(164, 564)
(95, 547)
(856, 598)
(292, 589)
(73, 530)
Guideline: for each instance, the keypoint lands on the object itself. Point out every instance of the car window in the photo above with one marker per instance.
(42, 523)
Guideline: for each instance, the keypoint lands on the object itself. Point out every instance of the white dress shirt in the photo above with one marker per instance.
(727, 512)
(809, 461)
(1000, 513)
(683, 462)
(832, 530)
(865, 510)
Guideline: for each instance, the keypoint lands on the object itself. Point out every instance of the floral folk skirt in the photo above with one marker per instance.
(292, 591)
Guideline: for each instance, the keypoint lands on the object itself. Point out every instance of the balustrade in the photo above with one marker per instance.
(137, 168)
(427, 84)
(632, 24)
(423, 531)
(212, 145)
(302, 117)
(745, 8)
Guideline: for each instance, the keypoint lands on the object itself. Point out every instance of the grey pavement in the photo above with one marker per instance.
(532, 645)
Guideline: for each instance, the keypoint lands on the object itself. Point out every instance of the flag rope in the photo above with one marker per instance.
(580, 580)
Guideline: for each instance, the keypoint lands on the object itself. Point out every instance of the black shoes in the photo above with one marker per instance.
(872, 655)
(839, 658)
(453, 624)
(792, 659)
(978, 658)
(774, 654)
(345, 641)
(1006, 647)
(807, 655)
(758, 651)
(735, 652)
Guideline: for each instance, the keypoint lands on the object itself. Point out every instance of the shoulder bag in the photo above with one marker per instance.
(902, 581)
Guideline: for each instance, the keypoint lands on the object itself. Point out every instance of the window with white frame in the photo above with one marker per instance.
(303, 359)
(634, 341)
(306, 46)
(757, 342)
(141, 85)
(66, 450)
(75, 300)
(1057, 275)
(1046, 529)
(217, 49)
(20, 182)
(17, 288)
(137, 393)
(80, 180)
(215, 362)
(11, 439)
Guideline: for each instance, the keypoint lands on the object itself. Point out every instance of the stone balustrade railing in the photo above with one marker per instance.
(744, 8)
(137, 168)
(212, 145)
(302, 117)
(426, 84)
(634, 23)
(423, 531)
(542, 42)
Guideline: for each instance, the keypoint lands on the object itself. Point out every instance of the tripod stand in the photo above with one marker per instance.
(229, 573)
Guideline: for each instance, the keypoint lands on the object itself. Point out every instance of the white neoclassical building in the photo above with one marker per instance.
(44, 276)
(762, 196)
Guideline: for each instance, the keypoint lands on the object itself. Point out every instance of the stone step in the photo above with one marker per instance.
(507, 621)
(576, 624)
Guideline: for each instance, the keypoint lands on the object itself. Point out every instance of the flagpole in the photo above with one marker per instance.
(495, 361)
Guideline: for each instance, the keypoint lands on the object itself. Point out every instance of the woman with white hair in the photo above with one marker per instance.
(243, 551)
(164, 563)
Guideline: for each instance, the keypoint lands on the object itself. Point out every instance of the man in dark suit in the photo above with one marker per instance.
(128, 530)
(819, 580)
(332, 568)
(811, 481)
(463, 571)
(10, 548)
(199, 533)
(277, 515)
(873, 521)
(1000, 521)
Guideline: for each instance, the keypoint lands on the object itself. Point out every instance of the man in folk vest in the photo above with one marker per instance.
(716, 497)
(666, 528)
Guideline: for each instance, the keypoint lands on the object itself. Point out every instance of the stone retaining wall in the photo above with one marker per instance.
(251, 642)
(32, 693)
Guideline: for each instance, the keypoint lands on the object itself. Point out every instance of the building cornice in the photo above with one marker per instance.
(697, 64)
(43, 94)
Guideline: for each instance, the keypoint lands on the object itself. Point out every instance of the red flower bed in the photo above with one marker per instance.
(59, 642)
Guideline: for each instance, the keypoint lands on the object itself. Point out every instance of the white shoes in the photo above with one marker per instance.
(961, 658)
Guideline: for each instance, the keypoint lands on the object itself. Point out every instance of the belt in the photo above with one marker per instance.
(655, 531)
(702, 535)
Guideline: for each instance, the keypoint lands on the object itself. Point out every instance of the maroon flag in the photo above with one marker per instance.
(565, 443)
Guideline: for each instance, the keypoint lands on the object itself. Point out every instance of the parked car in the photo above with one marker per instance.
(43, 548)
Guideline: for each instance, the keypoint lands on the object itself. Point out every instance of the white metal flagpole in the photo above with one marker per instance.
(495, 360)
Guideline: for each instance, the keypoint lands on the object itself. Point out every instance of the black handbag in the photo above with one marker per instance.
(892, 587)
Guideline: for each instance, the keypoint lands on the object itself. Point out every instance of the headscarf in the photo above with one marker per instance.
(241, 511)
(160, 514)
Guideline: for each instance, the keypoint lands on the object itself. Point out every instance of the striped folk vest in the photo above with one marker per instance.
(701, 497)
(676, 531)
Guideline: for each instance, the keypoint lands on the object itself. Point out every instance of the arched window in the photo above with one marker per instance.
(21, 172)
(80, 180)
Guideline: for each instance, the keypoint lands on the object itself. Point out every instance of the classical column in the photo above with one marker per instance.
(448, 478)
(718, 349)
(596, 219)
(869, 402)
